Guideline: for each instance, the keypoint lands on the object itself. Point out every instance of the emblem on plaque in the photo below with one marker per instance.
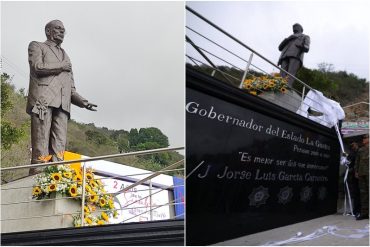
(322, 193)
(306, 194)
(285, 195)
(258, 196)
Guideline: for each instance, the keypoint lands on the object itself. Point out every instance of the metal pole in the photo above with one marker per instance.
(246, 70)
(83, 194)
(150, 200)
(152, 151)
(303, 91)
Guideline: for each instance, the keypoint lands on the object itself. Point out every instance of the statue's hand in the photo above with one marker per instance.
(66, 66)
(90, 106)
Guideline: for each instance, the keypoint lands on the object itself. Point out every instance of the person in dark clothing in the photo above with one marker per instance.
(352, 180)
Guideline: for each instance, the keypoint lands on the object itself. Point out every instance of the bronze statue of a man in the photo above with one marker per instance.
(292, 51)
(51, 92)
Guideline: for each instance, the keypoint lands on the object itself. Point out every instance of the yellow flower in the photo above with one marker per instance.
(92, 207)
(101, 222)
(99, 182)
(52, 187)
(60, 155)
(253, 92)
(87, 188)
(56, 177)
(45, 158)
(88, 220)
(73, 190)
(105, 216)
(36, 191)
(93, 198)
(93, 184)
(283, 90)
(78, 178)
(102, 202)
(86, 210)
(89, 176)
(248, 86)
(111, 204)
(67, 174)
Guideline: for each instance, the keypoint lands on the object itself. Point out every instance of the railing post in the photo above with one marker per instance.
(150, 200)
(83, 194)
(303, 91)
(246, 70)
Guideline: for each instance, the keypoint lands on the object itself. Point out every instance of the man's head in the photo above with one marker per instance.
(365, 139)
(297, 28)
(55, 31)
(354, 146)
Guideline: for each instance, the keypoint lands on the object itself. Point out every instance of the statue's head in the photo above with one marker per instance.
(55, 31)
(297, 28)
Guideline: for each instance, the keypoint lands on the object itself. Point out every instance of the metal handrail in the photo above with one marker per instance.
(102, 178)
(358, 103)
(152, 151)
(83, 195)
(244, 45)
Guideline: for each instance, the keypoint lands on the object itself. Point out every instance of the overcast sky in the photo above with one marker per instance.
(127, 57)
(339, 30)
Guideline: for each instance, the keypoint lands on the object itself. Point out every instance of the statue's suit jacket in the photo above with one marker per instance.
(46, 75)
(295, 47)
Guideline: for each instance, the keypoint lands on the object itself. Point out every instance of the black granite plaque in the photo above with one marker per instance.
(256, 172)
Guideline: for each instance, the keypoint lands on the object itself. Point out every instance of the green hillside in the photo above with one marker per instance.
(86, 139)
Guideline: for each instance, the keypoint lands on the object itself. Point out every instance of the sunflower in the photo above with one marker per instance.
(100, 222)
(73, 190)
(105, 216)
(86, 210)
(56, 177)
(111, 204)
(36, 191)
(253, 92)
(102, 202)
(88, 188)
(52, 187)
(283, 90)
(67, 174)
(78, 178)
(89, 176)
(88, 220)
(99, 182)
(248, 86)
(93, 198)
(93, 184)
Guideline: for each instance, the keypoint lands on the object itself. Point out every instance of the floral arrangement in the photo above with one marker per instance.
(258, 85)
(67, 181)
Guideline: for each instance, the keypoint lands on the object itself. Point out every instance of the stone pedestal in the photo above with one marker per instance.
(19, 212)
(289, 100)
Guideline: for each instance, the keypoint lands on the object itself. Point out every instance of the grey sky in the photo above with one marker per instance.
(127, 57)
(339, 30)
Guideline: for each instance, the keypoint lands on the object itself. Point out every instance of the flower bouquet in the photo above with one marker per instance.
(64, 180)
(258, 85)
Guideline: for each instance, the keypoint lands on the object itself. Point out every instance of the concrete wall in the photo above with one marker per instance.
(19, 212)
